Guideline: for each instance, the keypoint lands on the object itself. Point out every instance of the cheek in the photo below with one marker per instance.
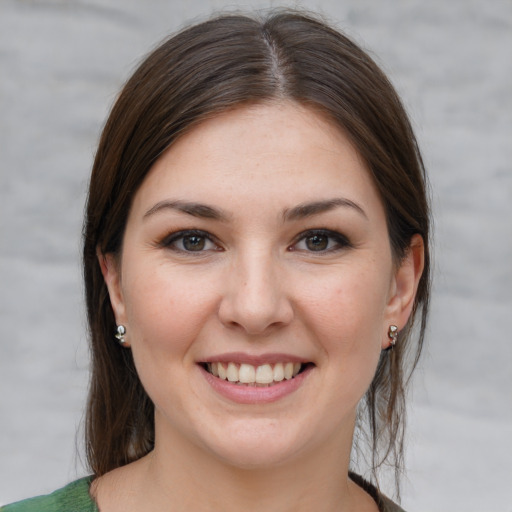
(348, 302)
(166, 311)
(166, 315)
(347, 315)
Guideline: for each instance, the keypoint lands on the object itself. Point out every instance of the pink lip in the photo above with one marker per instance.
(252, 394)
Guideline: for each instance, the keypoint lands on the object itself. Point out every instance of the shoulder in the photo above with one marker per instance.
(72, 498)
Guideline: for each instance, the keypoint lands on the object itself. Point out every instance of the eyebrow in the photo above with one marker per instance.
(195, 209)
(298, 212)
(316, 207)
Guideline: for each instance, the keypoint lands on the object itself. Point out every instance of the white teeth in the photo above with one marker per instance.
(261, 375)
(220, 370)
(288, 371)
(278, 372)
(247, 374)
(264, 374)
(232, 373)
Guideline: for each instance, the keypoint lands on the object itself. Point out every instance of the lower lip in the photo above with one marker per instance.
(243, 394)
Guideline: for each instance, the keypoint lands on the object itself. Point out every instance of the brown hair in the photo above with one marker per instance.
(204, 70)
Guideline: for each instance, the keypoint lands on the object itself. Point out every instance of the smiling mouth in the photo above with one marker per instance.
(264, 375)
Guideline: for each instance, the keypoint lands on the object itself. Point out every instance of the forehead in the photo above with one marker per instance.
(274, 152)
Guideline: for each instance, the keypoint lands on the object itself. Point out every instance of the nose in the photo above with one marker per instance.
(255, 298)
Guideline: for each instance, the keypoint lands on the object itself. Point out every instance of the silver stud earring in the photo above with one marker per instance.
(121, 331)
(393, 335)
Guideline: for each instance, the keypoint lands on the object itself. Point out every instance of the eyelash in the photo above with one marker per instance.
(182, 235)
(340, 241)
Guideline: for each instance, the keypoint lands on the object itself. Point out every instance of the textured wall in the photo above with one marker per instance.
(61, 64)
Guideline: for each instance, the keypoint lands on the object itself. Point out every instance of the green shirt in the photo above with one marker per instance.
(75, 497)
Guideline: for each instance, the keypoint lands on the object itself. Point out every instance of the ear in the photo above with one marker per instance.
(404, 286)
(111, 271)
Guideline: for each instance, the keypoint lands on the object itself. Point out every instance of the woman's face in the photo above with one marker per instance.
(257, 285)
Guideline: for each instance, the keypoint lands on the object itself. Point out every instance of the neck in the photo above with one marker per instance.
(179, 476)
(182, 476)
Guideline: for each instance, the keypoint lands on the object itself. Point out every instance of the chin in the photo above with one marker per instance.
(257, 446)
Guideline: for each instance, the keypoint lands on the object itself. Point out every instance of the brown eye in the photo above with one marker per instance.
(321, 241)
(190, 241)
(194, 243)
(317, 242)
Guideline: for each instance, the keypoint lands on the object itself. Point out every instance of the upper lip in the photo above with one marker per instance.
(254, 359)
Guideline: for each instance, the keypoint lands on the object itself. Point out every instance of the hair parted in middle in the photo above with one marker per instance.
(204, 70)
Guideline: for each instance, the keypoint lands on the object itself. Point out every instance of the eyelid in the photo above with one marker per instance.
(169, 239)
(342, 241)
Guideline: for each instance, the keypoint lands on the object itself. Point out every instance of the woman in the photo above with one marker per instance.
(255, 257)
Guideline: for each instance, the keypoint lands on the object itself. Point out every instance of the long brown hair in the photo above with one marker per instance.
(198, 73)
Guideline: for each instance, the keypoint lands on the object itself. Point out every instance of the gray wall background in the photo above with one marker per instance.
(61, 65)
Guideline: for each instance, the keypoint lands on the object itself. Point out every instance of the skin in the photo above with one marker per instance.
(257, 286)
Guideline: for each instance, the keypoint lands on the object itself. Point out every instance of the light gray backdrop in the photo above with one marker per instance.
(61, 65)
